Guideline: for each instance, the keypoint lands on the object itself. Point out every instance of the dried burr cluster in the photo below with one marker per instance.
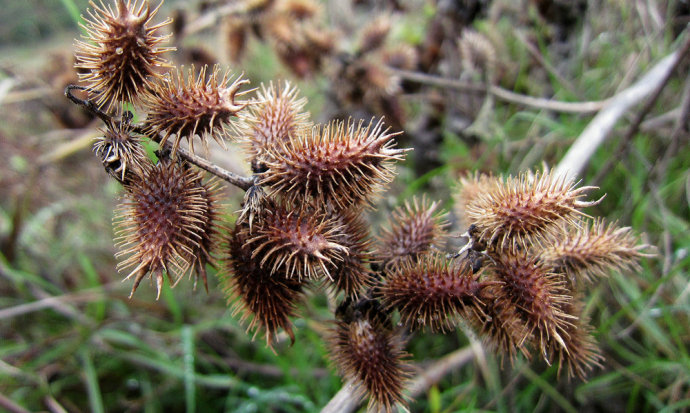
(518, 282)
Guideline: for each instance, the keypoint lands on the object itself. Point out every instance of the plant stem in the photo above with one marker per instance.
(242, 182)
(239, 181)
(503, 94)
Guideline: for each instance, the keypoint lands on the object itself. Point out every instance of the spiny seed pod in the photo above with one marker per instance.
(299, 9)
(378, 82)
(273, 117)
(120, 150)
(209, 243)
(414, 230)
(581, 353)
(524, 209)
(374, 34)
(120, 51)
(539, 297)
(499, 323)
(477, 53)
(269, 299)
(366, 351)
(295, 241)
(470, 186)
(593, 250)
(352, 274)
(195, 107)
(236, 37)
(431, 292)
(401, 56)
(299, 44)
(343, 162)
(160, 224)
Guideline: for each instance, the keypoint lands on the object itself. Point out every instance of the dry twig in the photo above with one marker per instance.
(598, 129)
(634, 127)
(503, 94)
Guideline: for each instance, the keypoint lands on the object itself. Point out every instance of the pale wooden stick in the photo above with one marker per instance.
(598, 129)
(435, 372)
(210, 18)
(345, 401)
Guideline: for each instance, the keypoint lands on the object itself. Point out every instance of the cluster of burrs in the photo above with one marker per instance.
(302, 223)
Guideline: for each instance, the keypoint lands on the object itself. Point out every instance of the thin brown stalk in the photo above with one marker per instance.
(239, 181)
(503, 94)
(52, 302)
(78, 143)
(210, 18)
(12, 407)
(230, 177)
(25, 95)
(53, 405)
(440, 368)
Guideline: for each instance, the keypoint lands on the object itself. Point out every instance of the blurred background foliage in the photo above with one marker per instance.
(72, 341)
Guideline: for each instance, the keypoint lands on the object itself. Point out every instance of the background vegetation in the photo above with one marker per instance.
(72, 341)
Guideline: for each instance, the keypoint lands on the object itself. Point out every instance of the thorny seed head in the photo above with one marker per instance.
(295, 241)
(209, 244)
(120, 51)
(498, 323)
(590, 251)
(120, 150)
(367, 351)
(162, 222)
(477, 53)
(341, 163)
(518, 211)
(300, 43)
(378, 81)
(580, 353)
(414, 230)
(193, 108)
(374, 34)
(431, 292)
(299, 9)
(274, 116)
(267, 298)
(539, 296)
(470, 186)
(401, 56)
(352, 275)
(236, 34)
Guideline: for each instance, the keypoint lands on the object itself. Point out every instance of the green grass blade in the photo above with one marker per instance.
(92, 387)
(549, 390)
(188, 363)
(96, 309)
(73, 10)
(171, 301)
